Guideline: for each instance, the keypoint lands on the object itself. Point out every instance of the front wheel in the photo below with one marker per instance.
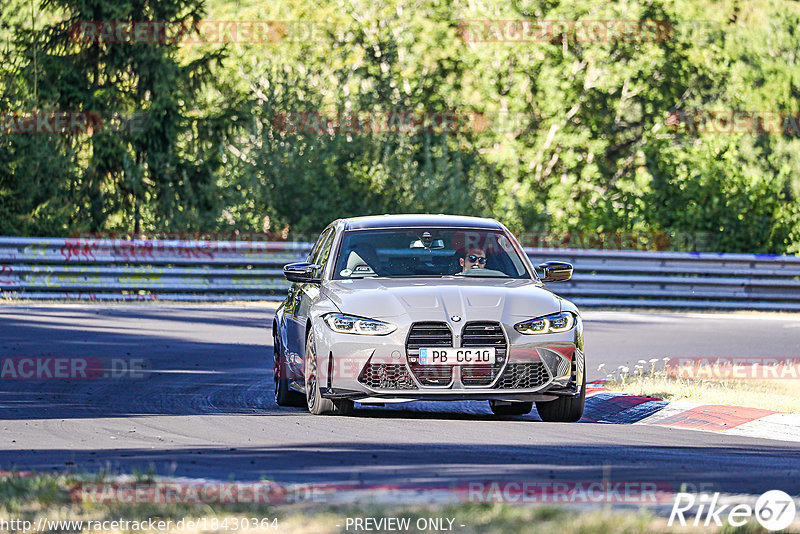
(564, 409)
(314, 400)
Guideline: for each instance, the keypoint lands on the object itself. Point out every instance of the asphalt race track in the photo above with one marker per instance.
(201, 406)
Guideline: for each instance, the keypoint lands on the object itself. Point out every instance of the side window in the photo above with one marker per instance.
(315, 252)
(325, 251)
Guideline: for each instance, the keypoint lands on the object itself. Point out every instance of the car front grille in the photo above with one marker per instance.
(523, 376)
(483, 334)
(386, 376)
(429, 334)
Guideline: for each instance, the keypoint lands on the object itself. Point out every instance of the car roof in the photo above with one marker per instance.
(417, 220)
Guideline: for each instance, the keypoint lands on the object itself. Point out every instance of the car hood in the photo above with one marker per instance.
(438, 299)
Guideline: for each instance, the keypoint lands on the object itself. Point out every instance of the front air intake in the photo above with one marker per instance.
(386, 376)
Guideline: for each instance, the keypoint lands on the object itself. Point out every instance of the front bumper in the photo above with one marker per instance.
(381, 368)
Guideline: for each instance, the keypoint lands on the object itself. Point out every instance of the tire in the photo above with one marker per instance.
(564, 409)
(515, 408)
(283, 395)
(316, 404)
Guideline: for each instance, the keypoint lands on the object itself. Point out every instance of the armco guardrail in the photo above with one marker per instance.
(115, 269)
(112, 269)
(678, 279)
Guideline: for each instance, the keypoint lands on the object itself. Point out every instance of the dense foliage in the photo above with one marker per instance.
(559, 133)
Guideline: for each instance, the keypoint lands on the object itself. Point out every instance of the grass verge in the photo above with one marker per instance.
(48, 497)
(780, 395)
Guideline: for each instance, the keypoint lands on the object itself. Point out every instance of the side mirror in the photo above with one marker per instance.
(556, 271)
(302, 271)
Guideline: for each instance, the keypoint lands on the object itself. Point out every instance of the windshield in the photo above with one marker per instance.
(428, 252)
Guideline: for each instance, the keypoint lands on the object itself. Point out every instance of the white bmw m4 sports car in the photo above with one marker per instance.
(399, 308)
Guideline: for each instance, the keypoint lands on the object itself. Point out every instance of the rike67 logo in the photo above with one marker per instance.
(774, 510)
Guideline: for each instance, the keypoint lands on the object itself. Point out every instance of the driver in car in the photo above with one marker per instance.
(475, 258)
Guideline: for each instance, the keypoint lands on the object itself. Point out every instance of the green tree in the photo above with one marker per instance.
(157, 171)
(35, 170)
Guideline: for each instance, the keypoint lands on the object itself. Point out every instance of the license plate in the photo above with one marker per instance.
(457, 356)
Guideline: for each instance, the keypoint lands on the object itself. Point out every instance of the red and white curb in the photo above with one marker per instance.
(606, 406)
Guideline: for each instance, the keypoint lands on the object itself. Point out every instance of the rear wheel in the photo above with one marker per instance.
(513, 408)
(564, 409)
(283, 395)
(314, 400)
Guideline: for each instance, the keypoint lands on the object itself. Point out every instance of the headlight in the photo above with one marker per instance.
(549, 324)
(350, 324)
